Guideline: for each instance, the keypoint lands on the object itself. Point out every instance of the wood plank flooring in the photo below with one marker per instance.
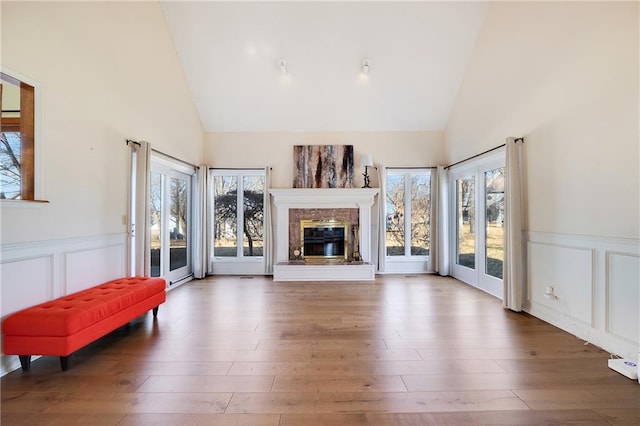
(415, 350)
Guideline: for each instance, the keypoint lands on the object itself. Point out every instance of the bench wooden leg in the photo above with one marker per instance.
(25, 362)
(64, 362)
(155, 312)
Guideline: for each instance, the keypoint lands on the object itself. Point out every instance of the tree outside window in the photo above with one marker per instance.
(228, 222)
(408, 208)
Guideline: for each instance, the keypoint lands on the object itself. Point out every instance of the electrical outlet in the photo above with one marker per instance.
(550, 292)
(124, 219)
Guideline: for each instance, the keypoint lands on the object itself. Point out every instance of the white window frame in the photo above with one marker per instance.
(408, 263)
(239, 264)
(38, 144)
(476, 277)
(169, 168)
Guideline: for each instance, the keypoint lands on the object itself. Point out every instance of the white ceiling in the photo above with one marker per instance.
(230, 51)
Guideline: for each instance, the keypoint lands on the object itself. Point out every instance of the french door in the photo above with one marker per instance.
(170, 205)
(237, 221)
(478, 223)
(407, 220)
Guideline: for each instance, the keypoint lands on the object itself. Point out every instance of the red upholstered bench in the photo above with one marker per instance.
(62, 326)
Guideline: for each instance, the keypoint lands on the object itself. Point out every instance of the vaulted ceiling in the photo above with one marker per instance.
(231, 51)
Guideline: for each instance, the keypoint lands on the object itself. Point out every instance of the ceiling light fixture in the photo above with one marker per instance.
(283, 66)
(365, 66)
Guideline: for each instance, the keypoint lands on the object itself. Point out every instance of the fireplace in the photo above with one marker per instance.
(324, 239)
(350, 206)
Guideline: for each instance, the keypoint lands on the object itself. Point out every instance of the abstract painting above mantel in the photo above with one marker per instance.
(323, 166)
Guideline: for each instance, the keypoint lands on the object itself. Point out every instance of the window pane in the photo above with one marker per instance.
(253, 210)
(395, 215)
(494, 205)
(156, 209)
(10, 176)
(420, 214)
(178, 189)
(225, 195)
(17, 150)
(465, 202)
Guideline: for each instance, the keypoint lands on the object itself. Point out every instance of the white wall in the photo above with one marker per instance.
(565, 76)
(276, 150)
(106, 71)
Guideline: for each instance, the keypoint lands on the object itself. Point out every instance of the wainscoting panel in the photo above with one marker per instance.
(87, 268)
(35, 272)
(569, 271)
(622, 295)
(26, 282)
(596, 283)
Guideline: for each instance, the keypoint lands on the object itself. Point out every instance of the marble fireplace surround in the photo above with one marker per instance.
(322, 199)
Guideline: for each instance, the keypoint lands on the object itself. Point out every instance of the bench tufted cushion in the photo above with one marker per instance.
(72, 313)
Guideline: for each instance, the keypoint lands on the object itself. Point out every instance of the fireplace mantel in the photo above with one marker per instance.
(302, 198)
(323, 198)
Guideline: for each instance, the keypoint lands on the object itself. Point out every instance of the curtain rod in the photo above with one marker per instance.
(411, 168)
(482, 153)
(130, 141)
(238, 168)
(174, 158)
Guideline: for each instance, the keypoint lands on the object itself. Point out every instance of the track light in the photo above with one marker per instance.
(283, 66)
(365, 67)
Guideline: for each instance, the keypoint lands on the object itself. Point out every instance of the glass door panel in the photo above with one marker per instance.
(466, 222)
(478, 191)
(494, 221)
(407, 220)
(420, 214)
(225, 193)
(395, 215)
(156, 223)
(169, 204)
(253, 215)
(177, 223)
(237, 221)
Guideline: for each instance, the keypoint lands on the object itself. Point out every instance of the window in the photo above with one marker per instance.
(466, 222)
(170, 219)
(494, 221)
(477, 189)
(238, 215)
(408, 218)
(17, 170)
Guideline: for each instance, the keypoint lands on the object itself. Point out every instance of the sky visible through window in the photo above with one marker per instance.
(10, 165)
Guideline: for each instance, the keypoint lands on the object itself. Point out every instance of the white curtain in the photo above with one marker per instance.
(442, 265)
(140, 234)
(382, 219)
(513, 279)
(268, 225)
(199, 220)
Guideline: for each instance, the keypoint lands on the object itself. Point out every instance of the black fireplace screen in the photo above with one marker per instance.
(320, 241)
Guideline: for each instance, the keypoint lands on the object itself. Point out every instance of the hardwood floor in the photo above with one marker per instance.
(417, 350)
